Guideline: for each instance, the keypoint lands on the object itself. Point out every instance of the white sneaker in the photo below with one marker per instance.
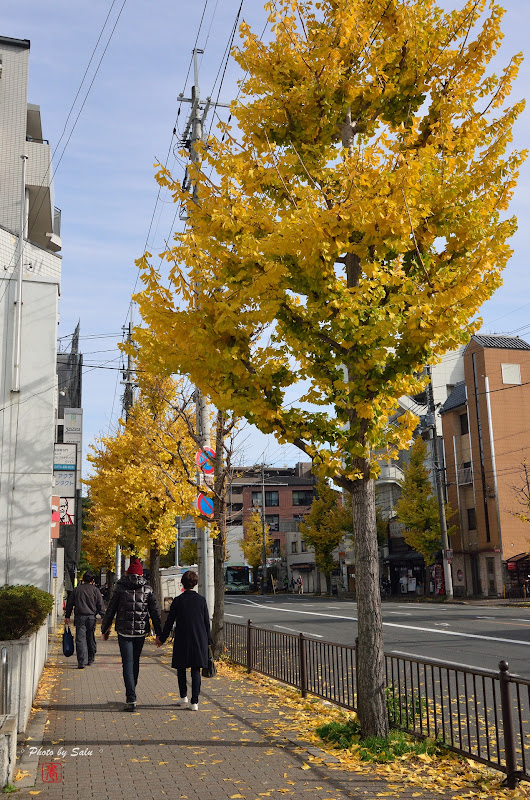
(194, 706)
(182, 701)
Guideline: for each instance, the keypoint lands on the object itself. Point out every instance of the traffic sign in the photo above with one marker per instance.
(205, 505)
(204, 460)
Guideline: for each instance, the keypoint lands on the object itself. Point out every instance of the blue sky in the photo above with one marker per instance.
(104, 183)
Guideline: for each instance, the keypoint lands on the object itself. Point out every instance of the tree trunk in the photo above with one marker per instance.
(218, 625)
(371, 699)
(154, 575)
(328, 583)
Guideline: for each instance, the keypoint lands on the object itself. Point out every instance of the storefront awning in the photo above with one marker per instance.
(303, 567)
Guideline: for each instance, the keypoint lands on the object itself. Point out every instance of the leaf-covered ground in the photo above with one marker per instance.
(441, 774)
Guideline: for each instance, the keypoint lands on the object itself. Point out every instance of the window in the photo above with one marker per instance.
(464, 424)
(298, 517)
(237, 489)
(302, 497)
(271, 499)
(511, 373)
(273, 521)
(275, 547)
(303, 547)
(294, 547)
(449, 388)
(471, 519)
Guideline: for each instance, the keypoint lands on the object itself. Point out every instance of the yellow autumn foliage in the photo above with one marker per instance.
(349, 227)
(140, 482)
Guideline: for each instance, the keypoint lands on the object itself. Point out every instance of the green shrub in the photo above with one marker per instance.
(23, 609)
(348, 734)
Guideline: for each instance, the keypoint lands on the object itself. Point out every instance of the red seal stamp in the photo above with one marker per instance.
(52, 772)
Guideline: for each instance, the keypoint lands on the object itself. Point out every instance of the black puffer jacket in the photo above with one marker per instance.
(132, 602)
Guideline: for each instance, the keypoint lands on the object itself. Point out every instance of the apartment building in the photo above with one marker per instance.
(486, 430)
(289, 492)
(30, 272)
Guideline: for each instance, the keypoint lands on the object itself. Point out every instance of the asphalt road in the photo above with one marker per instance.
(473, 635)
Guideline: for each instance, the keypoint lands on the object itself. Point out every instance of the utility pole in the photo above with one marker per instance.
(192, 135)
(263, 535)
(128, 400)
(439, 469)
(128, 394)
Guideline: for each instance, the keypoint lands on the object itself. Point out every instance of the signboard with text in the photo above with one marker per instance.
(65, 483)
(65, 457)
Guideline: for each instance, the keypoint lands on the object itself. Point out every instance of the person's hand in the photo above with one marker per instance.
(158, 642)
(105, 635)
(67, 620)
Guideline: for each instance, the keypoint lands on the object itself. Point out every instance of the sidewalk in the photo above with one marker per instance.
(229, 749)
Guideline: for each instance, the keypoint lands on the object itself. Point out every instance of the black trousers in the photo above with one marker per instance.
(85, 639)
(131, 650)
(195, 683)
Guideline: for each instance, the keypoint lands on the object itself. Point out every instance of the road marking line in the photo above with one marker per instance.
(295, 630)
(401, 613)
(400, 625)
(239, 616)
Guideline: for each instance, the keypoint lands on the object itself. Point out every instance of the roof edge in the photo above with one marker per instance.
(24, 43)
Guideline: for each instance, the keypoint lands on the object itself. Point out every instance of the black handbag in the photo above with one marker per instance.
(211, 670)
(68, 642)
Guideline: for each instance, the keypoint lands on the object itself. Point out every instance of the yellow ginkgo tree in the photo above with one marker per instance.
(343, 234)
(139, 485)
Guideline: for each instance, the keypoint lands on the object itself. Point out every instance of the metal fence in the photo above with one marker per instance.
(480, 713)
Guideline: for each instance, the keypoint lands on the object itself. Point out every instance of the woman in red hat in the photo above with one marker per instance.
(133, 603)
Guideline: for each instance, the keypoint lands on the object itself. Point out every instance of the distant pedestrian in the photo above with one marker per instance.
(293, 584)
(133, 603)
(87, 601)
(300, 584)
(189, 612)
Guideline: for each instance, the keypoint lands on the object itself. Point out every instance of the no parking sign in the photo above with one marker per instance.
(205, 505)
(204, 460)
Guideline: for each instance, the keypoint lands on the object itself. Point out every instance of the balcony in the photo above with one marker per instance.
(390, 473)
(465, 476)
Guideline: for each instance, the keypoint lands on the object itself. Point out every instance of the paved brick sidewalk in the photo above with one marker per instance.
(226, 750)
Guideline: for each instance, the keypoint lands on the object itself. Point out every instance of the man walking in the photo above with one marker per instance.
(87, 601)
(133, 604)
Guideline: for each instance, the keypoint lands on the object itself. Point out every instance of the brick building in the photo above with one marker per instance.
(486, 432)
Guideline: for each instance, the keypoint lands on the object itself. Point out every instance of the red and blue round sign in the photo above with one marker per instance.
(205, 505)
(204, 460)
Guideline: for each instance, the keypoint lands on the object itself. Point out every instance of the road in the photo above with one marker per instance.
(473, 635)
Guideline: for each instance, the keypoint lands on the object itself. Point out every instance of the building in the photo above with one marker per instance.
(69, 442)
(402, 569)
(289, 492)
(486, 430)
(29, 245)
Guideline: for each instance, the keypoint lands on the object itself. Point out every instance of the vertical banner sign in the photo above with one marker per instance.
(65, 468)
(56, 517)
(72, 434)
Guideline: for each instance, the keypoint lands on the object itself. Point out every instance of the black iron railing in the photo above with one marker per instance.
(480, 713)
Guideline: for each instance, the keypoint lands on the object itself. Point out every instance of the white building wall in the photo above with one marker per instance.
(27, 428)
(447, 373)
(13, 118)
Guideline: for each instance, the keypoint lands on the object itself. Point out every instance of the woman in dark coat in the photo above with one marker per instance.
(189, 612)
